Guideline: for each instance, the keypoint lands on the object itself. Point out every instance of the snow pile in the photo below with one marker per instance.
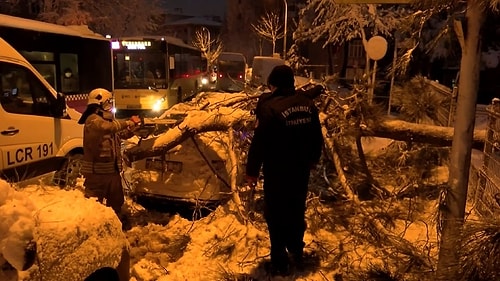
(208, 249)
(16, 225)
(75, 236)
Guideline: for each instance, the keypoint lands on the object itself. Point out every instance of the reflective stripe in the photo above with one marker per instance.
(98, 167)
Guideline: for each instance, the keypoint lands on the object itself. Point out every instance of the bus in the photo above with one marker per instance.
(152, 73)
(231, 72)
(73, 59)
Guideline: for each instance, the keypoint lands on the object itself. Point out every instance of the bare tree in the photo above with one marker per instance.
(65, 12)
(269, 28)
(210, 48)
(117, 18)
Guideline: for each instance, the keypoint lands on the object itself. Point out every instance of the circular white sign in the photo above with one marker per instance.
(376, 47)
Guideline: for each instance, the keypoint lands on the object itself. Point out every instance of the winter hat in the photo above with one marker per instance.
(281, 77)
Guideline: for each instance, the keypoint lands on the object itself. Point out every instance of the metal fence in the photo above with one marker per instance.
(446, 113)
(485, 191)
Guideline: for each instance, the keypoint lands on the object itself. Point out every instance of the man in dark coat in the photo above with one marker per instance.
(287, 143)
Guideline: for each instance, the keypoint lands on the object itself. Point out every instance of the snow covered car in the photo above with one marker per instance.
(193, 172)
(76, 238)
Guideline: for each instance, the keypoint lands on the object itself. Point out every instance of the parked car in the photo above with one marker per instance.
(73, 237)
(193, 173)
(261, 68)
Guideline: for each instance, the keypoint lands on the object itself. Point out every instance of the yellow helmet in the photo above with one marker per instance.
(100, 96)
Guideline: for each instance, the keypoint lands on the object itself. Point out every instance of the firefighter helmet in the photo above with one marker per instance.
(100, 96)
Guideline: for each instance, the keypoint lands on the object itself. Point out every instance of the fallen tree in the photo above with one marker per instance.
(224, 118)
(421, 133)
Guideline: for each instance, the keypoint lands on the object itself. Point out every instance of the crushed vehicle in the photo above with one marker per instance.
(193, 170)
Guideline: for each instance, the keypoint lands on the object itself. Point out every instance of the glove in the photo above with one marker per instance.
(133, 122)
(135, 119)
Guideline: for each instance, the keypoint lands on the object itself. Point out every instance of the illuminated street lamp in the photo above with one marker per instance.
(284, 32)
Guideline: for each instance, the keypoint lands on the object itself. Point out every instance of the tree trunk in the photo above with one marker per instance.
(392, 129)
(453, 206)
(406, 131)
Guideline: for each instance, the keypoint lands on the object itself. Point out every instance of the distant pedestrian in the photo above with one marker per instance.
(287, 144)
(102, 160)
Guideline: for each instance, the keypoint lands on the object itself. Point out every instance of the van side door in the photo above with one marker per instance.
(29, 132)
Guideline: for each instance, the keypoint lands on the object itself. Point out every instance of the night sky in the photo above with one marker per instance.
(196, 7)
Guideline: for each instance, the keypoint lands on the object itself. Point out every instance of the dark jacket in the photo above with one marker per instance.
(288, 135)
(101, 144)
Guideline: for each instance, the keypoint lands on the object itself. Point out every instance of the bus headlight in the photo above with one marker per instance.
(204, 81)
(157, 105)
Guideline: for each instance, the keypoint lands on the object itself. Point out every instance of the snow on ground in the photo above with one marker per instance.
(169, 247)
(70, 230)
(16, 226)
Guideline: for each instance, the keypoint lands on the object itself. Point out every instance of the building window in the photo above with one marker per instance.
(356, 49)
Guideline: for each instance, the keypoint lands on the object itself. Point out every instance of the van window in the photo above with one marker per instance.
(22, 92)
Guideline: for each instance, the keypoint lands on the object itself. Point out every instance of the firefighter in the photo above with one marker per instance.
(102, 160)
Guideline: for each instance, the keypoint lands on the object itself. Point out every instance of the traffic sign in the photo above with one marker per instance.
(376, 47)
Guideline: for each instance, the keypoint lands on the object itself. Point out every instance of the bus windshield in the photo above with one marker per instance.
(139, 70)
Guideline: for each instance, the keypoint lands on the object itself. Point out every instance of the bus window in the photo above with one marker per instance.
(139, 70)
(73, 61)
(48, 72)
(70, 82)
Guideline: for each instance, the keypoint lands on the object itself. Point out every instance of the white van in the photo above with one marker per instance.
(38, 133)
(261, 68)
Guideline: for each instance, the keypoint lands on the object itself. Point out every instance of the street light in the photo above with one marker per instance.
(284, 32)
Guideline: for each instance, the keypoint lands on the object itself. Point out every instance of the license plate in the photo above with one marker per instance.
(19, 155)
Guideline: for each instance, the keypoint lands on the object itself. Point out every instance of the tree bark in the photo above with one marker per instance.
(453, 206)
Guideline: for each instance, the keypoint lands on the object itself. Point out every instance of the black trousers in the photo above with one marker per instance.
(106, 187)
(285, 203)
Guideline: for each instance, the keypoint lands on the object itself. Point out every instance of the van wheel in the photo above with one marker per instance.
(70, 170)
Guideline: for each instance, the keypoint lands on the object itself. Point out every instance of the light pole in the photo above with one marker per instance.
(284, 32)
(208, 47)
